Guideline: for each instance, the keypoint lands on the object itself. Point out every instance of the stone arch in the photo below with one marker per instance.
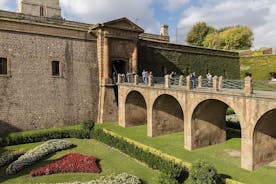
(264, 139)
(209, 123)
(135, 109)
(167, 115)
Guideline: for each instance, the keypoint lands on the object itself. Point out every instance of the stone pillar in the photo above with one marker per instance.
(134, 59)
(121, 107)
(188, 130)
(150, 80)
(220, 83)
(248, 86)
(188, 83)
(167, 81)
(136, 79)
(181, 80)
(215, 84)
(199, 81)
(105, 61)
(247, 145)
(119, 79)
(149, 122)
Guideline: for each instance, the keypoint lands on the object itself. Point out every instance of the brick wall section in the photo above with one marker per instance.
(30, 98)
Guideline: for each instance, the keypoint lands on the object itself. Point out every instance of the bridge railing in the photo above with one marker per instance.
(217, 83)
(232, 84)
(264, 85)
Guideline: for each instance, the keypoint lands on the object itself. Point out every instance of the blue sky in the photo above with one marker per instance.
(180, 15)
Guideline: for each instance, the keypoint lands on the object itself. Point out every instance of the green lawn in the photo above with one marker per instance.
(173, 144)
(111, 161)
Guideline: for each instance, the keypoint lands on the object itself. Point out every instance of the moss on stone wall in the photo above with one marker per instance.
(258, 66)
(184, 60)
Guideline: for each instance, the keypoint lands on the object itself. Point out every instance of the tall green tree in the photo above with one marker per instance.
(236, 38)
(197, 34)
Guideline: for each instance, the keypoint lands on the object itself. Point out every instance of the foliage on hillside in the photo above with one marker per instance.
(259, 66)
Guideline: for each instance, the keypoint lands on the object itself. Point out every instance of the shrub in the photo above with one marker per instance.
(41, 135)
(87, 126)
(151, 159)
(203, 172)
(73, 162)
(123, 178)
(9, 156)
(166, 179)
(230, 111)
(37, 154)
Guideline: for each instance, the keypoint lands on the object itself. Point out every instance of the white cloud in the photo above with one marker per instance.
(258, 15)
(98, 11)
(173, 5)
(4, 5)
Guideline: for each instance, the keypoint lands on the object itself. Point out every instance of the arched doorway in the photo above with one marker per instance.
(167, 116)
(209, 123)
(136, 109)
(264, 139)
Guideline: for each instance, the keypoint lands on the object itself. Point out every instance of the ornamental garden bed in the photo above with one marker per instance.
(111, 161)
(69, 163)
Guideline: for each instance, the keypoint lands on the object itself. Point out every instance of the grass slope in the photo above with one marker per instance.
(259, 66)
(111, 161)
(173, 144)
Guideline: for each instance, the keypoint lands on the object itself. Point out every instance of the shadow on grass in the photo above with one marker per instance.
(221, 178)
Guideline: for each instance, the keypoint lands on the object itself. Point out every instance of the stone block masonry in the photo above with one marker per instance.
(30, 97)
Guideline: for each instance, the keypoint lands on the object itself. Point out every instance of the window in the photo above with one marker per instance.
(3, 66)
(55, 68)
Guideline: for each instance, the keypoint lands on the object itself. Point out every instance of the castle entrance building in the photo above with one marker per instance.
(56, 72)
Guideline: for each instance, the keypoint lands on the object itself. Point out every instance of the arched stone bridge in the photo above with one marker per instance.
(200, 113)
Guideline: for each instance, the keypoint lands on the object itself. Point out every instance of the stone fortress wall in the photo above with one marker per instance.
(32, 98)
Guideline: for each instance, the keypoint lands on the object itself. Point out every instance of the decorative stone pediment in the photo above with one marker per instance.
(122, 24)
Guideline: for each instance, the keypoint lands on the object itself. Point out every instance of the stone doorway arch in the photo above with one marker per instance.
(264, 140)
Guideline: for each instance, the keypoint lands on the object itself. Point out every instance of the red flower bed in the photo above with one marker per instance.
(72, 162)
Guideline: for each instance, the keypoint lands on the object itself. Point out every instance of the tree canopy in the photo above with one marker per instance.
(198, 33)
(228, 38)
(237, 37)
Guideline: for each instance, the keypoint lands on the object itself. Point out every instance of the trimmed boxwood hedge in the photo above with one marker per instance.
(43, 135)
(171, 169)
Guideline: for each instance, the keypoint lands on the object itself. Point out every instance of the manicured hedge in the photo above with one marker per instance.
(78, 131)
(172, 169)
